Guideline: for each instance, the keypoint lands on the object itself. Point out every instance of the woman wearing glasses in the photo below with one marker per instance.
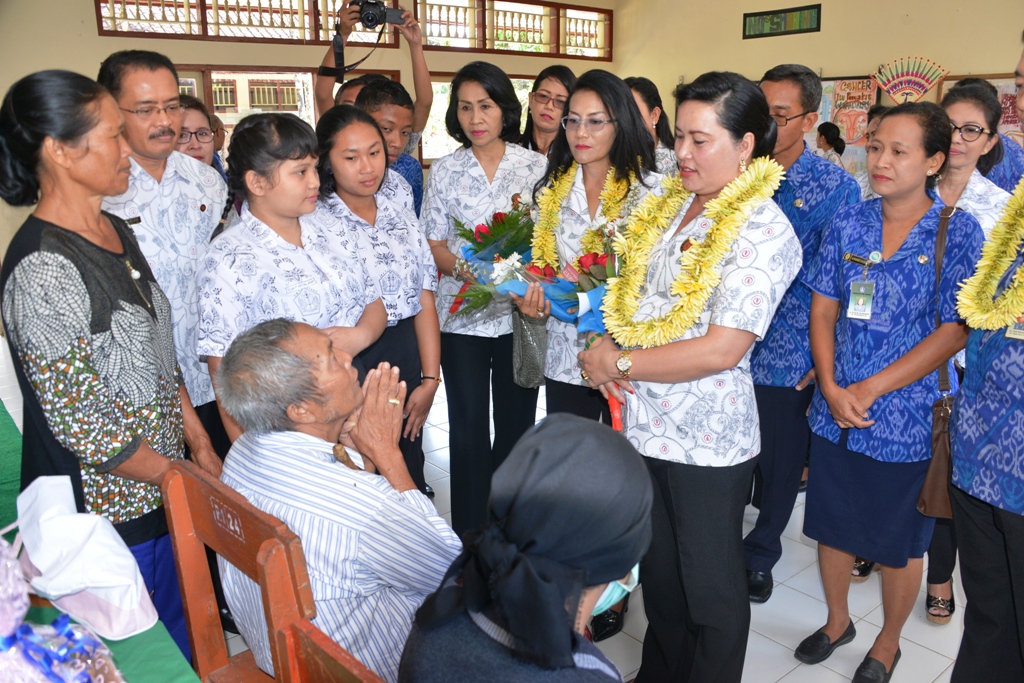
(196, 136)
(547, 106)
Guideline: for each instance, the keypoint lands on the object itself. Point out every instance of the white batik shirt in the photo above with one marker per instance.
(251, 274)
(866, 192)
(665, 160)
(395, 253)
(564, 342)
(176, 218)
(984, 200)
(397, 190)
(713, 421)
(458, 189)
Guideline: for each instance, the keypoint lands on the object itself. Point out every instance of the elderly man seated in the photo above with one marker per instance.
(322, 455)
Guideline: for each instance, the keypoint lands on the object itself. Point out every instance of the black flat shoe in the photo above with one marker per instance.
(873, 671)
(817, 647)
(609, 622)
(759, 586)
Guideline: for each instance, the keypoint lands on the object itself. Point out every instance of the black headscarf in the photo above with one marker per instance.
(569, 508)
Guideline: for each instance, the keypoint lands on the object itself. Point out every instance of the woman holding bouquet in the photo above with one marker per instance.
(601, 166)
(702, 270)
(469, 186)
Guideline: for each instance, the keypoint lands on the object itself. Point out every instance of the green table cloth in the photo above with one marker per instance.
(150, 657)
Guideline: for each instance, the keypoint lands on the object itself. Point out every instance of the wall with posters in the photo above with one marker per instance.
(845, 102)
(1010, 123)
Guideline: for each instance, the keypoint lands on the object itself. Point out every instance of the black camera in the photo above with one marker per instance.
(373, 13)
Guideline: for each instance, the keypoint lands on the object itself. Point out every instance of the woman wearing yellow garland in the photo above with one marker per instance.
(601, 166)
(702, 270)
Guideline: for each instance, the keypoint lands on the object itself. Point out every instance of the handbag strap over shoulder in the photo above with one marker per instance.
(940, 251)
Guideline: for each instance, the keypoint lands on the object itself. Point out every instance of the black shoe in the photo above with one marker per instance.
(873, 671)
(609, 622)
(428, 491)
(817, 647)
(760, 586)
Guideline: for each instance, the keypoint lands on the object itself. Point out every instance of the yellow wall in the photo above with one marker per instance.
(666, 39)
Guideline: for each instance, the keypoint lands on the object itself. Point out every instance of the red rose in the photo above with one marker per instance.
(499, 217)
(480, 231)
(534, 270)
(549, 271)
(588, 260)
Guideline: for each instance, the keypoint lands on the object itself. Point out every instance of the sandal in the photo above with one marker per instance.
(933, 602)
(862, 569)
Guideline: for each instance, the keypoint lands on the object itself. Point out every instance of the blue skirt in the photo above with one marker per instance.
(865, 507)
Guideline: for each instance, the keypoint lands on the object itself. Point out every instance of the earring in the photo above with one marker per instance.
(931, 172)
(743, 165)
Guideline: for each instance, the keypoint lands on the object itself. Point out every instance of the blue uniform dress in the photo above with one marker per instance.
(988, 503)
(410, 169)
(1007, 173)
(812, 192)
(863, 495)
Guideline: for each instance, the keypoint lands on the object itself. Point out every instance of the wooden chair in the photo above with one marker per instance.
(202, 511)
(314, 658)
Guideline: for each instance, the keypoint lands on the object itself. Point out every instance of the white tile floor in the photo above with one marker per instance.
(796, 609)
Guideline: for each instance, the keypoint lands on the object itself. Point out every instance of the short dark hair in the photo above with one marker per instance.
(936, 132)
(803, 78)
(560, 73)
(648, 92)
(114, 67)
(973, 81)
(47, 104)
(189, 102)
(988, 103)
(381, 93)
(741, 106)
(261, 142)
(875, 111)
(631, 152)
(361, 80)
(833, 136)
(335, 120)
(498, 87)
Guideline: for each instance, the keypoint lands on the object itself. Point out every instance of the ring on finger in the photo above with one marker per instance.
(394, 402)
(585, 375)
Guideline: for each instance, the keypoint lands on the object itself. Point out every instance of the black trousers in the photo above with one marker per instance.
(563, 397)
(478, 368)
(785, 441)
(942, 552)
(992, 568)
(695, 584)
(398, 346)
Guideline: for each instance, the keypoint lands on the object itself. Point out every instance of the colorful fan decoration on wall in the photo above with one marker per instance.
(908, 79)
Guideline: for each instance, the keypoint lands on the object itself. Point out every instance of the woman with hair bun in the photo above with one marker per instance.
(831, 143)
(88, 326)
(648, 99)
(703, 268)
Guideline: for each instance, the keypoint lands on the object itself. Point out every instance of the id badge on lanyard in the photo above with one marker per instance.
(862, 291)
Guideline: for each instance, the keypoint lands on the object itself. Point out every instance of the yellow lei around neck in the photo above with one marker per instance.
(549, 205)
(699, 274)
(976, 300)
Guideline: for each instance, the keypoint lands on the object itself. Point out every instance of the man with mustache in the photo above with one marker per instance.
(173, 204)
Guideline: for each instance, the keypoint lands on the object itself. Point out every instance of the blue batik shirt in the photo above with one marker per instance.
(410, 169)
(1007, 173)
(988, 417)
(813, 190)
(903, 314)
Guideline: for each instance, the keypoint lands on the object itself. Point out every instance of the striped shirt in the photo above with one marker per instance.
(373, 554)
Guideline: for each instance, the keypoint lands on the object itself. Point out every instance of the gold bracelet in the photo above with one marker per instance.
(436, 379)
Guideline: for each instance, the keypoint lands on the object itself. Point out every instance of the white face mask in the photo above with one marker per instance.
(616, 590)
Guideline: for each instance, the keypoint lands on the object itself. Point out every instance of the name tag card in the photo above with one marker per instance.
(862, 295)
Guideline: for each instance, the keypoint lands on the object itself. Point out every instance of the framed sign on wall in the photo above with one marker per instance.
(782, 22)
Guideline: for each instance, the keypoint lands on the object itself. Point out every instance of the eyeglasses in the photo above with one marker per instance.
(543, 98)
(592, 125)
(150, 112)
(970, 132)
(202, 135)
(783, 120)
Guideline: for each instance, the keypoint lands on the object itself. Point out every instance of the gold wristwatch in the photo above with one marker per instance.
(624, 364)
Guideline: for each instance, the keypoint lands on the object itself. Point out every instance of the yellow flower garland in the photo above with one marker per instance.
(975, 300)
(699, 274)
(549, 205)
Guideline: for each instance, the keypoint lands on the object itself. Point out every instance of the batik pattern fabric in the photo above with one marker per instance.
(458, 189)
(96, 364)
(810, 195)
(251, 274)
(713, 421)
(665, 161)
(987, 427)
(984, 200)
(903, 314)
(866, 192)
(397, 190)
(1007, 173)
(564, 342)
(174, 220)
(410, 169)
(395, 253)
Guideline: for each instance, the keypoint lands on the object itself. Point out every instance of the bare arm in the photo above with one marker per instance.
(233, 429)
(323, 86)
(368, 330)
(443, 256)
(428, 338)
(199, 444)
(145, 465)
(413, 34)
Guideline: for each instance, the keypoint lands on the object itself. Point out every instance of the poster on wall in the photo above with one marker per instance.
(845, 102)
(1009, 124)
